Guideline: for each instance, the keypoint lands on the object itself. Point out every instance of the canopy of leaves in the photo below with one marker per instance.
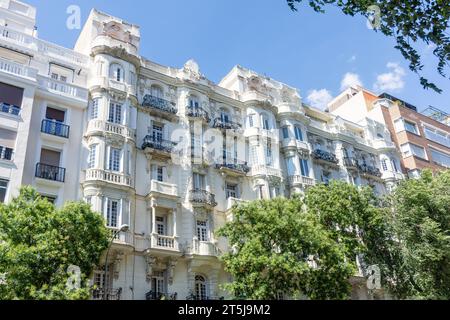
(417, 263)
(284, 246)
(39, 242)
(406, 21)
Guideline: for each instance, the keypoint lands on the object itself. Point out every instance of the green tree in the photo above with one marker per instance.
(280, 247)
(406, 21)
(39, 242)
(416, 263)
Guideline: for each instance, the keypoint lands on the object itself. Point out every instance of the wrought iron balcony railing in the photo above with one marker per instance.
(159, 104)
(55, 128)
(197, 113)
(6, 153)
(221, 124)
(108, 294)
(350, 162)
(154, 295)
(202, 196)
(235, 165)
(48, 172)
(9, 109)
(325, 155)
(158, 144)
(369, 170)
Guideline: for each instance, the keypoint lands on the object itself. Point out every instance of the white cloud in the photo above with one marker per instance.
(319, 98)
(349, 80)
(392, 80)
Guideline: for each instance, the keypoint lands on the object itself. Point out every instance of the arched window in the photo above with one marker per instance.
(116, 72)
(200, 287)
(156, 91)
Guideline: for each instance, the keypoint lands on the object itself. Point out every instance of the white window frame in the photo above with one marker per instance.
(112, 161)
(92, 159)
(202, 230)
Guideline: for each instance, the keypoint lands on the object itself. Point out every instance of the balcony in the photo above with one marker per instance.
(163, 188)
(325, 157)
(231, 202)
(48, 172)
(100, 127)
(226, 125)
(392, 175)
(6, 153)
(17, 69)
(369, 171)
(197, 113)
(197, 297)
(48, 49)
(202, 197)
(55, 128)
(302, 147)
(121, 86)
(160, 147)
(272, 134)
(350, 163)
(159, 241)
(235, 167)
(263, 170)
(9, 109)
(204, 248)
(108, 294)
(160, 107)
(298, 180)
(155, 295)
(122, 238)
(63, 88)
(109, 177)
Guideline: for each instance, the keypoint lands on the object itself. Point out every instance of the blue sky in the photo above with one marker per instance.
(316, 53)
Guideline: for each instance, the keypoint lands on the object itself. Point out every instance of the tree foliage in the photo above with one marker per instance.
(406, 21)
(299, 247)
(417, 260)
(39, 242)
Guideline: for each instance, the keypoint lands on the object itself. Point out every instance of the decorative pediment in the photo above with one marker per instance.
(116, 31)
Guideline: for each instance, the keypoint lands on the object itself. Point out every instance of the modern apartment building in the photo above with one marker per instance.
(163, 150)
(423, 138)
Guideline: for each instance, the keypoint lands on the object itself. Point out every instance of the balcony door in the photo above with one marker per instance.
(198, 181)
(157, 132)
(158, 284)
(161, 226)
(50, 157)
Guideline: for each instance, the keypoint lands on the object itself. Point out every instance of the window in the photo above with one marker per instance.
(115, 113)
(158, 285)
(193, 102)
(260, 192)
(394, 165)
(398, 125)
(157, 92)
(202, 230)
(274, 191)
(253, 155)
(200, 288)
(157, 133)
(160, 174)
(326, 176)
(437, 136)
(411, 127)
(224, 116)
(265, 122)
(99, 279)
(290, 166)
(298, 133)
(440, 158)
(285, 132)
(114, 159)
(160, 226)
(116, 72)
(251, 121)
(94, 109)
(92, 156)
(198, 181)
(269, 158)
(232, 191)
(3, 188)
(304, 167)
(384, 164)
(409, 149)
(112, 213)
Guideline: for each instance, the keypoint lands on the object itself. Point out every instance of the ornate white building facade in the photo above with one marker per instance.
(163, 150)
